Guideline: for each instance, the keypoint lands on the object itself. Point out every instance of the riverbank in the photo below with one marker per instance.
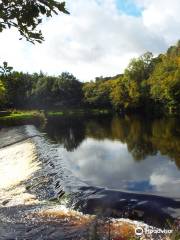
(33, 205)
(39, 117)
(27, 114)
(18, 118)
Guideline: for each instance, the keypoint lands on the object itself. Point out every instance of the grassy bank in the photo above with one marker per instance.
(39, 117)
(27, 114)
(77, 112)
(18, 117)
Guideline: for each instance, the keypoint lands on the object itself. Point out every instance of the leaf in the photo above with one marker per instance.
(42, 9)
(5, 64)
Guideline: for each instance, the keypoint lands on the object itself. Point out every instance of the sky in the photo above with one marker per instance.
(98, 38)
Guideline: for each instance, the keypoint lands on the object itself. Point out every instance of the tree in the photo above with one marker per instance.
(5, 69)
(96, 94)
(135, 80)
(119, 94)
(148, 84)
(42, 95)
(67, 90)
(2, 94)
(140, 68)
(64, 90)
(26, 15)
(165, 80)
(18, 87)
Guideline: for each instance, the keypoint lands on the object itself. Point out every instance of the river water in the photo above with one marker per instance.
(110, 166)
(132, 162)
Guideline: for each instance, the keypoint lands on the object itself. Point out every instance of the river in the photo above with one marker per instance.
(118, 167)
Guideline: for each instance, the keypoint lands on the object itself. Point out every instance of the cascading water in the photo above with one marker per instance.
(40, 196)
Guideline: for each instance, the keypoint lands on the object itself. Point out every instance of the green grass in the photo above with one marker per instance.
(51, 114)
(23, 117)
(77, 112)
(20, 115)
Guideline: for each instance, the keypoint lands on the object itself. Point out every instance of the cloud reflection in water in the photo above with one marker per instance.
(109, 164)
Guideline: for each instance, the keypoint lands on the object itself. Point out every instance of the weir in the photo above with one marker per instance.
(39, 193)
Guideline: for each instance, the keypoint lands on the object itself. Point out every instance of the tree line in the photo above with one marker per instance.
(148, 84)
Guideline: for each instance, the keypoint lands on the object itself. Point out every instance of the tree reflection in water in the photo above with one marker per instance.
(144, 137)
(123, 168)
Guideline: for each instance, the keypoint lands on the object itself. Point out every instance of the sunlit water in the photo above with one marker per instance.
(30, 204)
(38, 191)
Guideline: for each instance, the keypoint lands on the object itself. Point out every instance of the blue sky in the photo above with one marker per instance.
(129, 7)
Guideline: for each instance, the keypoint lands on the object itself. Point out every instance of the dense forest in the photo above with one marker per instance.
(148, 84)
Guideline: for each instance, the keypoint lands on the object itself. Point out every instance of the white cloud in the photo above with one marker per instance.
(96, 39)
(162, 17)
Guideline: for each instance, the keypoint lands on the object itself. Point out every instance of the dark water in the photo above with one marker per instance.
(113, 166)
(128, 154)
(130, 166)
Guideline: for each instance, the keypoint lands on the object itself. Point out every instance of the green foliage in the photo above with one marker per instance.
(40, 91)
(147, 85)
(165, 80)
(5, 69)
(96, 94)
(24, 117)
(18, 86)
(119, 94)
(123, 91)
(27, 15)
(16, 115)
(140, 68)
(2, 94)
(135, 79)
(67, 90)
(61, 91)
